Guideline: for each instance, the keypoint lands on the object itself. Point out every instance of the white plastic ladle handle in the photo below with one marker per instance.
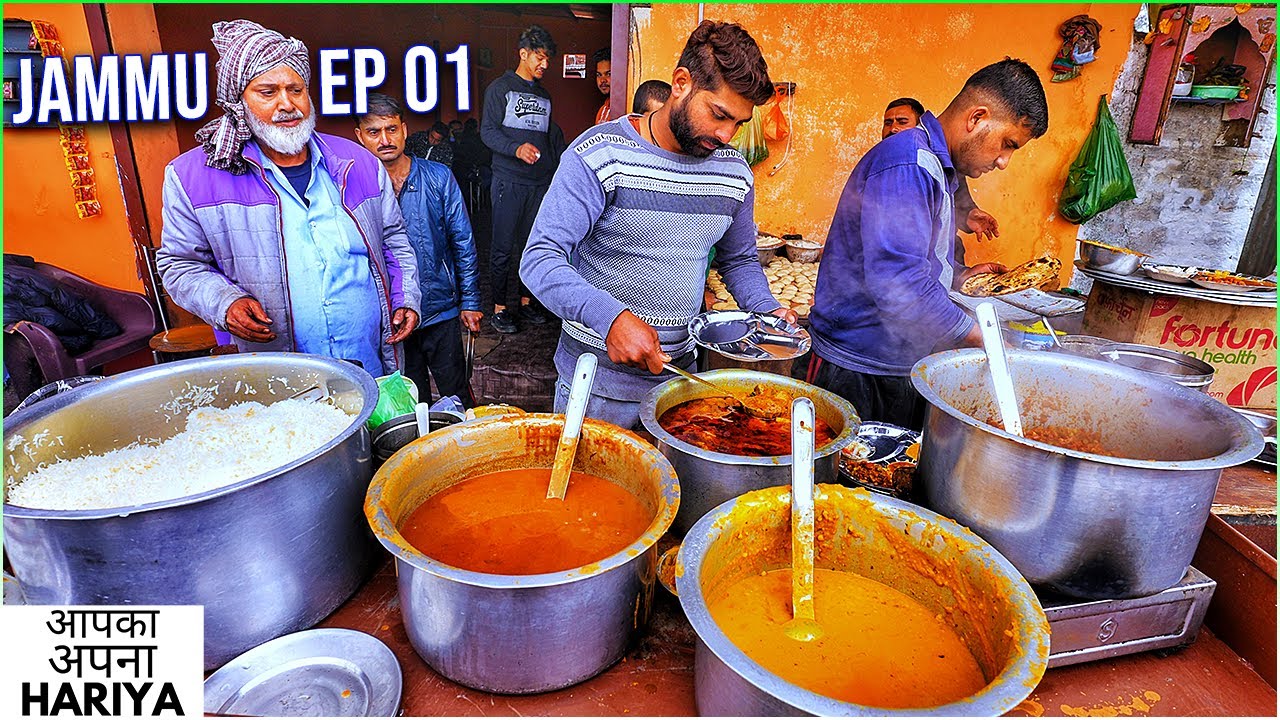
(993, 343)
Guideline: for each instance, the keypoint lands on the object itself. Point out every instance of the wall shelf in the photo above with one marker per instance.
(1205, 101)
(1243, 35)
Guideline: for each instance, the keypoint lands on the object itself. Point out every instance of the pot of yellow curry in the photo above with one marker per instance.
(919, 616)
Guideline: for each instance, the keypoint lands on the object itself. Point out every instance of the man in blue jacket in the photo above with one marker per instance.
(881, 302)
(436, 220)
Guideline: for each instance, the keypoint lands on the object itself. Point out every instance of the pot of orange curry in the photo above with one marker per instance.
(918, 615)
(502, 589)
(720, 451)
(1107, 494)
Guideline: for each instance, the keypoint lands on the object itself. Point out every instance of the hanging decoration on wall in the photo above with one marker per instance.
(1079, 43)
(73, 138)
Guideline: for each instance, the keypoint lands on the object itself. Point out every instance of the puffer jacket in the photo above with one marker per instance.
(222, 239)
(436, 219)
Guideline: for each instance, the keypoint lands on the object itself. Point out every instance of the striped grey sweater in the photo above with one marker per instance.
(626, 225)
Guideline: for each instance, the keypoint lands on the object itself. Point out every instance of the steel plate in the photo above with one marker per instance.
(327, 672)
(749, 336)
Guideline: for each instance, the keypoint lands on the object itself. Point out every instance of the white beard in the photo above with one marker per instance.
(286, 141)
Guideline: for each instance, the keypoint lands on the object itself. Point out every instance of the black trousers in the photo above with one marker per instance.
(514, 208)
(437, 348)
(881, 398)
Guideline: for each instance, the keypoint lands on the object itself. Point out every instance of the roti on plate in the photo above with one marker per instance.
(1040, 271)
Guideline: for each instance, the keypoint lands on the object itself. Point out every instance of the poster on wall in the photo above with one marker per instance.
(575, 66)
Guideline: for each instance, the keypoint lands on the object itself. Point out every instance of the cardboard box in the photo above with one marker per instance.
(1237, 340)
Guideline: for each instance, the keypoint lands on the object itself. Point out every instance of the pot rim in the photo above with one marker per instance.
(363, 380)
(1246, 442)
(1022, 674)
(649, 418)
(388, 535)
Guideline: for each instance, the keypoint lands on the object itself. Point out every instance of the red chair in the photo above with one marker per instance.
(133, 312)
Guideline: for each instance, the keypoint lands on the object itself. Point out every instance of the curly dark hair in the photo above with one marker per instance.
(536, 37)
(725, 54)
(599, 56)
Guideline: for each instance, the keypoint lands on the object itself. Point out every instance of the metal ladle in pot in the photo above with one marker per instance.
(584, 373)
(803, 626)
(751, 409)
(1006, 400)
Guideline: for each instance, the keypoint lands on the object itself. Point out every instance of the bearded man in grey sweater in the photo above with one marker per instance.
(620, 247)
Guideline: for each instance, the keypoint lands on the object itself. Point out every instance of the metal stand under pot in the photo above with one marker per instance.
(1087, 630)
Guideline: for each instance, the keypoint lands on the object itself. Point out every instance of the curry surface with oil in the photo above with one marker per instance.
(879, 647)
(503, 524)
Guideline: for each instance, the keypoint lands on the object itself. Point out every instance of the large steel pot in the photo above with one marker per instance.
(521, 633)
(265, 556)
(709, 478)
(928, 557)
(1085, 524)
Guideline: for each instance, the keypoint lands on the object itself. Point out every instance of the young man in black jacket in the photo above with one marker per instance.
(526, 146)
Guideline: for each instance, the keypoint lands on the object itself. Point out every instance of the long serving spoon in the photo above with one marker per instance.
(1006, 399)
(584, 373)
(751, 409)
(803, 626)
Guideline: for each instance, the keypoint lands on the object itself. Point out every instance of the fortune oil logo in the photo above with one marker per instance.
(1234, 345)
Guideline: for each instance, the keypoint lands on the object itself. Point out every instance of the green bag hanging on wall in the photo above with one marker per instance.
(749, 140)
(1099, 178)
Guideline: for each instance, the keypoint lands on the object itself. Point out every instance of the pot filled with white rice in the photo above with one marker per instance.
(201, 482)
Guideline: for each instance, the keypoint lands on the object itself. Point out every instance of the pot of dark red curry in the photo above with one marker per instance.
(720, 450)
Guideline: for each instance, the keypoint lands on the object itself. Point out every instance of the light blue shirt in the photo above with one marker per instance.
(331, 290)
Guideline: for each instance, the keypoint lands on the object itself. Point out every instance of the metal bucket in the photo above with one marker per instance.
(399, 431)
(265, 556)
(1082, 523)
(709, 478)
(928, 557)
(521, 633)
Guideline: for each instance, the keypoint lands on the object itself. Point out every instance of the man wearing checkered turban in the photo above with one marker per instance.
(285, 238)
(246, 50)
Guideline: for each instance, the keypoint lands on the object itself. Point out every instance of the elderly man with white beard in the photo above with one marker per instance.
(288, 239)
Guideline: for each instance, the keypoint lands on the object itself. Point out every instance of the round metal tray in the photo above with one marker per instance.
(749, 336)
(328, 672)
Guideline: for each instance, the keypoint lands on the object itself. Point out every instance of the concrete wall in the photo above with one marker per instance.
(850, 60)
(1195, 200)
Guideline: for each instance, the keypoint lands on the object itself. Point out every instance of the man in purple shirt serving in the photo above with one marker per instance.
(881, 303)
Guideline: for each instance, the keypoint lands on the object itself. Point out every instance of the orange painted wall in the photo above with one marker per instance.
(849, 61)
(39, 207)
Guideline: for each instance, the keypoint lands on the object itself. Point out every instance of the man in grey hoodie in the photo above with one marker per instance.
(526, 145)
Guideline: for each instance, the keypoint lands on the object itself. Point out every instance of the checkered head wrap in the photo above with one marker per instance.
(245, 51)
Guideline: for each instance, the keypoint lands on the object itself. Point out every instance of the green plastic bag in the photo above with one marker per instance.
(394, 400)
(749, 140)
(1099, 178)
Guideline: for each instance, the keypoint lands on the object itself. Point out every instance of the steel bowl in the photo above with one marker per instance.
(1168, 365)
(709, 478)
(265, 556)
(521, 633)
(1085, 524)
(1100, 258)
(401, 430)
(917, 552)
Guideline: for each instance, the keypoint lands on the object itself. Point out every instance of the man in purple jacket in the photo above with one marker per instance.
(285, 238)
(881, 302)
